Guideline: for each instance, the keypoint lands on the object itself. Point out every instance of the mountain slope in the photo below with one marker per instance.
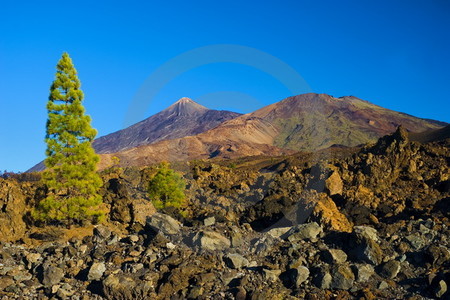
(234, 138)
(310, 122)
(184, 118)
(431, 135)
(306, 122)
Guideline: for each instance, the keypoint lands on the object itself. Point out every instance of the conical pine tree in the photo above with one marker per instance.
(71, 176)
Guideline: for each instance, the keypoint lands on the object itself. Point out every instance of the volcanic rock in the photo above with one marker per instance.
(141, 209)
(164, 223)
(364, 248)
(236, 261)
(301, 275)
(334, 184)
(342, 277)
(363, 272)
(52, 275)
(210, 240)
(335, 256)
(125, 287)
(390, 269)
(13, 207)
(96, 271)
(441, 289)
(308, 231)
(271, 275)
(323, 278)
(326, 212)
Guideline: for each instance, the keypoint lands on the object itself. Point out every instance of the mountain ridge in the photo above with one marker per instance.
(312, 121)
(305, 123)
(309, 122)
(183, 118)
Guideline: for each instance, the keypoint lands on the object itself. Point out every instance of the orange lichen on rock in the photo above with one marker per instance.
(329, 215)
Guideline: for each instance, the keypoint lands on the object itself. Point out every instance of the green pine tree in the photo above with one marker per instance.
(166, 188)
(71, 176)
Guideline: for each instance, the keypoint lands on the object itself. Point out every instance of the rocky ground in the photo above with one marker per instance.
(368, 223)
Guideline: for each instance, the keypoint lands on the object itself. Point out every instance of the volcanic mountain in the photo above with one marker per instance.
(311, 121)
(307, 122)
(183, 118)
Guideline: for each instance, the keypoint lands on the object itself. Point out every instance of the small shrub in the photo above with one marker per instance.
(166, 188)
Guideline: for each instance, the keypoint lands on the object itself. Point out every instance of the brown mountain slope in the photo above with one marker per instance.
(235, 138)
(183, 118)
(306, 122)
(310, 122)
(431, 135)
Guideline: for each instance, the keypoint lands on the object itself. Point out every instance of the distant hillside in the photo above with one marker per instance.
(431, 135)
(310, 122)
(234, 138)
(184, 118)
(306, 122)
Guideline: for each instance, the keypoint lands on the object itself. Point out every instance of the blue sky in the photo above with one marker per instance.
(392, 53)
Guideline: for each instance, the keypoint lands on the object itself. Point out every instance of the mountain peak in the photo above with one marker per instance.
(185, 106)
(185, 100)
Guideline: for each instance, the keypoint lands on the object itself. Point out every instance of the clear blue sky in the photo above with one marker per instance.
(393, 53)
